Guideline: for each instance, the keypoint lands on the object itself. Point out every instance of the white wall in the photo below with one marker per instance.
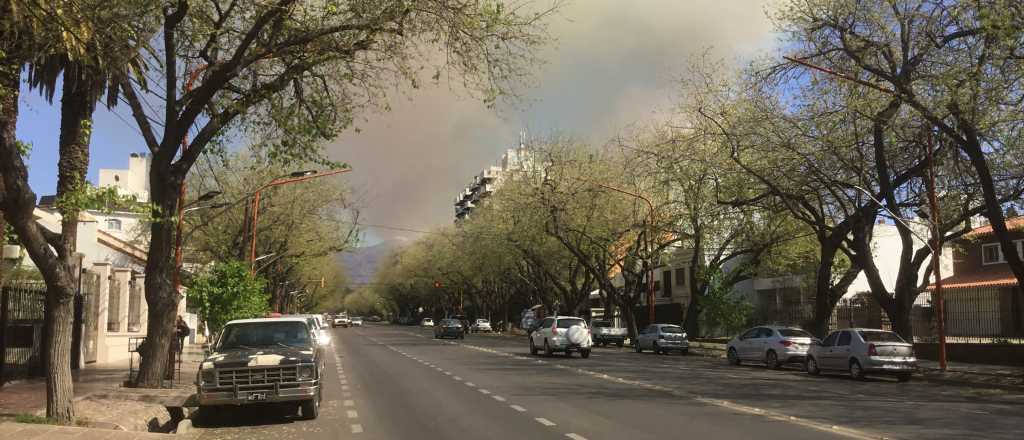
(134, 180)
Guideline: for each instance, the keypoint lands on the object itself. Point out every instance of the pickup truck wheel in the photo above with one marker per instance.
(584, 354)
(310, 408)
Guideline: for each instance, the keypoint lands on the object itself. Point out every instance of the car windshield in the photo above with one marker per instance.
(879, 336)
(671, 329)
(793, 333)
(566, 323)
(602, 324)
(265, 334)
(450, 323)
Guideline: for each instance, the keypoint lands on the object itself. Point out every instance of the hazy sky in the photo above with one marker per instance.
(614, 63)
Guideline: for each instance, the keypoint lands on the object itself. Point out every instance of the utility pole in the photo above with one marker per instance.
(940, 302)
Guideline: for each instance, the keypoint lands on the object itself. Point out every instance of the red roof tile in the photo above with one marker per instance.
(999, 279)
(1011, 224)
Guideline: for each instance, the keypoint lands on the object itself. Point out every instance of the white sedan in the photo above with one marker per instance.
(481, 325)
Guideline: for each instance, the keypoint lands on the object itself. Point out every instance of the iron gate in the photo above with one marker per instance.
(21, 328)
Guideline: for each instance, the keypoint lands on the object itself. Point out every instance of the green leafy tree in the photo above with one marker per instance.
(298, 73)
(226, 292)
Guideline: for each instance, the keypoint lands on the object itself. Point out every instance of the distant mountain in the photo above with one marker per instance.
(361, 263)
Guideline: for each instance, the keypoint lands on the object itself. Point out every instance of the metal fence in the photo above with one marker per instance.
(134, 306)
(990, 315)
(22, 305)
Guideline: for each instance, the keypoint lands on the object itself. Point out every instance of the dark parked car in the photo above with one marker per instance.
(449, 328)
(259, 361)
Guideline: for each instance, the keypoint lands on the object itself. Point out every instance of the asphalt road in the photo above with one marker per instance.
(390, 382)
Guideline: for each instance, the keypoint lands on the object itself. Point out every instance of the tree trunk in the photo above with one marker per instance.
(823, 302)
(17, 203)
(160, 294)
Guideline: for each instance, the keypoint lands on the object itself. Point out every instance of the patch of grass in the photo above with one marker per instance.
(34, 419)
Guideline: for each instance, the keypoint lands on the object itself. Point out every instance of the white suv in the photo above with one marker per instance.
(561, 333)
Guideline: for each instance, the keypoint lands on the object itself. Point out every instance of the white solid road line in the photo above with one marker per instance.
(575, 436)
(544, 421)
(517, 408)
(356, 428)
(498, 398)
(352, 414)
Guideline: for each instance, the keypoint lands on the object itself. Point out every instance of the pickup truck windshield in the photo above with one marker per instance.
(265, 334)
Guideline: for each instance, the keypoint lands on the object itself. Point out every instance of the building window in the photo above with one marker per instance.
(666, 278)
(113, 224)
(681, 276)
(991, 254)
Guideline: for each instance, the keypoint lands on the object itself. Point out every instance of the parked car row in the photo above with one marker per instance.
(858, 351)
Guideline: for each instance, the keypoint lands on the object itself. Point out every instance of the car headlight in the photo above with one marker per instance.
(306, 372)
(208, 376)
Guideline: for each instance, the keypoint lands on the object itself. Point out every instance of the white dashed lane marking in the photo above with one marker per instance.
(483, 391)
(349, 403)
(575, 436)
(352, 414)
(470, 384)
(517, 408)
(499, 398)
(544, 421)
(357, 428)
(456, 378)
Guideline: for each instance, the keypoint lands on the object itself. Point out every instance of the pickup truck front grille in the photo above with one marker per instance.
(257, 376)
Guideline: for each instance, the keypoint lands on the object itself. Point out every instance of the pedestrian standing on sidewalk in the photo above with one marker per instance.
(181, 330)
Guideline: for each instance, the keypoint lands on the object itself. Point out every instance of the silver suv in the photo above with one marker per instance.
(862, 351)
(561, 333)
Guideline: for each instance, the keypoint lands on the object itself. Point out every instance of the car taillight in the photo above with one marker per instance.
(554, 328)
(871, 350)
(787, 343)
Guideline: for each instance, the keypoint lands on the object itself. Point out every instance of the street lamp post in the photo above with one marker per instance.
(298, 176)
(647, 244)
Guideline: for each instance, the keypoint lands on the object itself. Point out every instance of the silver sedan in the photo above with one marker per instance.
(772, 345)
(861, 352)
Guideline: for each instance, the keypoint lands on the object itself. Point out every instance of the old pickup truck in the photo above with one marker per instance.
(603, 332)
(263, 361)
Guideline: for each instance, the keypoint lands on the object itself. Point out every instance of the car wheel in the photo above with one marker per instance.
(568, 353)
(734, 359)
(654, 347)
(584, 354)
(547, 349)
(310, 408)
(619, 344)
(856, 371)
(771, 360)
(533, 348)
(636, 346)
(903, 377)
(812, 367)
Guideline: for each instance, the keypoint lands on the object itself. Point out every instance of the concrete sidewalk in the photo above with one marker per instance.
(102, 401)
(960, 373)
(24, 431)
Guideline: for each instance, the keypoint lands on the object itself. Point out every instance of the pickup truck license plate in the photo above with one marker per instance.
(257, 397)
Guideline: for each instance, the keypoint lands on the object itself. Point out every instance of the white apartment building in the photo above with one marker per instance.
(513, 161)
